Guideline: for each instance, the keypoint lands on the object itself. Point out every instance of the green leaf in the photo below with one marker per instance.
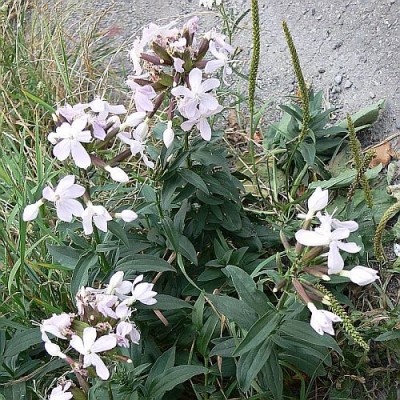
(299, 330)
(22, 341)
(173, 377)
(194, 179)
(308, 152)
(273, 375)
(165, 302)
(366, 116)
(206, 334)
(187, 249)
(259, 332)
(37, 100)
(65, 255)
(81, 271)
(118, 231)
(198, 311)
(234, 309)
(392, 335)
(251, 363)
(247, 290)
(143, 263)
(164, 362)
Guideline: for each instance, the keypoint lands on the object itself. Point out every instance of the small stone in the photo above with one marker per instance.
(321, 70)
(348, 84)
(338, 79)
(336, 89)
(338, 44)
(372, 95)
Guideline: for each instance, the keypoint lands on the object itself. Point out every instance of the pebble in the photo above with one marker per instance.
(348, 84)
(336, 89)
(321, 70)
(372, 95)
(338, 79)
(338, 44)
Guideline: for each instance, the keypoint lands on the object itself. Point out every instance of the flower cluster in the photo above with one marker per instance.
(102, 323)
(169, 61)
(64, 197)
(326, 241)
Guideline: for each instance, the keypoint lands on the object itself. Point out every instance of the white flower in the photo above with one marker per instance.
(103, 108)
(168, 135)
(117, 174)
(123, 329)
(31, 211)
(63, 196)
(71, 112)
(210, 3)
(54, 350)
(361, 275)
(142, 96)
(97, 215)
(60, 392)
(104, 302)
(197, 99)
(219, 39)
(201, 123)
(88, 346)
(178, 64)
(324, 236)
(118, 286)
(321, 320)
(70, 138)
(316, 202)
(136, 147)
(134, 55)
(57, 325)
(396, 249)
(141, 292)
(86, 296)
(127, 215)
(222, 60)
(133, 120)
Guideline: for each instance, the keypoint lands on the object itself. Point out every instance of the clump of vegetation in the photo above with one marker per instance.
(140, 260)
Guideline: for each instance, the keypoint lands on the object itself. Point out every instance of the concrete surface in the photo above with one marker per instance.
(349, 48)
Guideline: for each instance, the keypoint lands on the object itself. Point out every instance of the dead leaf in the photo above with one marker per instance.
(383, 154)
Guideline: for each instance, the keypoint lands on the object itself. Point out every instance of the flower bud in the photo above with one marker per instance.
(127, 215)
(31, 211)
(361, 275)
(117, 174)
(168, 135)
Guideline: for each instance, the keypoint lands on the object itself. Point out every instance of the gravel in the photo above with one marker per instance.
(335, 39)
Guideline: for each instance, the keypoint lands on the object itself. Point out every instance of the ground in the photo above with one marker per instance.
(348, 48)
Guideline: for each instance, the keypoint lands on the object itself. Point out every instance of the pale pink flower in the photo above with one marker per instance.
(70, 137)
(97, 215)
(61, 392)
(142, 96)
(63, 196)
(133, 120)
(136, 147)
(321, 320)
(88, 346)
(219, 39)
(54, 350)
(104, 304)
(123, 329)
(192, 25)
(141, 291)
(221, 60)
(178, 64)
(57, 325)
(104, 108)
(201, 122)
(72, 112)
(118, 286)
(197, 99)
